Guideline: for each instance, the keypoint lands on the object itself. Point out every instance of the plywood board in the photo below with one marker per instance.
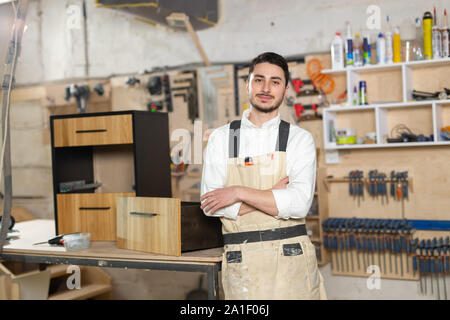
(429, 199)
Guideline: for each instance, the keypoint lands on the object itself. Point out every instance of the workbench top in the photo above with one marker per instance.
(41, 230)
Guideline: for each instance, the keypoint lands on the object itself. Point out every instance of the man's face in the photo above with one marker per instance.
(266, 87)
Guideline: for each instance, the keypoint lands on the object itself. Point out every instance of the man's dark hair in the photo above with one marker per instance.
(272, 58)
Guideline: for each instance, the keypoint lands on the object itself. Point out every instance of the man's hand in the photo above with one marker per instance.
(282, 184)
(224, 197)
(219, 198)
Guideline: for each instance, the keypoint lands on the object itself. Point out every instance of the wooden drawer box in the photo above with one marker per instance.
(86, 131)
(165, 226)
(94, 213)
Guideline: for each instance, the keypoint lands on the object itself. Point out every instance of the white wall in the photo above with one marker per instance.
(118, 44)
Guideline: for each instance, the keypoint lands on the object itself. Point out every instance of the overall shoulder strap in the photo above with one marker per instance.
(283, 135)
(234, 134)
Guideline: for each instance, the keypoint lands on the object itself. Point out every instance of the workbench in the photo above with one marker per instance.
(106, 254)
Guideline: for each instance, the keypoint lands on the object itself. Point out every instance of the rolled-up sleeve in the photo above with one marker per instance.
(295, 201)
(215, 171)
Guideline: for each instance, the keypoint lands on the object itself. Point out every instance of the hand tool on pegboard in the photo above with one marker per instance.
(414, 246)
(428, 262)
(167, 92)
(372, 239)
(326, 238)
(300, 108)
(298, 84)
(432, 261)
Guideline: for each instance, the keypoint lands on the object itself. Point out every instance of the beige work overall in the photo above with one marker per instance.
(279, 269)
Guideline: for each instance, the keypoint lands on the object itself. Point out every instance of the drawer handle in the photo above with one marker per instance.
(94, 208)
(90, 131)
(143, 214)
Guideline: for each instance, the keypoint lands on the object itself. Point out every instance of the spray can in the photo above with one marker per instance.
(397, 46)
(427, 42)
(381, 49)
(366, 50)
(445, 37)
(436, 38)
(363, 93)
(388, 39)
(337, 52)
(349, 47)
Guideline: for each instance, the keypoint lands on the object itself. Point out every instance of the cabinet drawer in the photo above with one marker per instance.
(89, 131)
(89, 212)
(165, 226)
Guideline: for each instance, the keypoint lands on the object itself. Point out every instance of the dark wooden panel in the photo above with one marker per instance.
(152, 154)
(73, 163)
(197, 230)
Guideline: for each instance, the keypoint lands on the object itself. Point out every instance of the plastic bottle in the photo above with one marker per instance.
(355, 96)
(337, 52)
(357, 51)
(445, 31)
(436, 38)
(397, 46)
(427, 47)
(349, 47)
(418, 41)
(388, 39)
(381, 49)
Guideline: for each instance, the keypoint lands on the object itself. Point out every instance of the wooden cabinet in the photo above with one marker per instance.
(118, 153)
(165, 226)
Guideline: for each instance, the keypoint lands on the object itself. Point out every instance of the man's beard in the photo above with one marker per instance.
(274, 107)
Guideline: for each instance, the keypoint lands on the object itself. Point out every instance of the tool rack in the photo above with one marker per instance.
(390, 96)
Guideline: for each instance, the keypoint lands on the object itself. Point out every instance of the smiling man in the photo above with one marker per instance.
(258, 178)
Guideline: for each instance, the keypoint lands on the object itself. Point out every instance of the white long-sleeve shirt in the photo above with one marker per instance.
(292, 202)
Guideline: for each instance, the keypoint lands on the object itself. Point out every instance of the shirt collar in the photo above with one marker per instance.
(272, 123)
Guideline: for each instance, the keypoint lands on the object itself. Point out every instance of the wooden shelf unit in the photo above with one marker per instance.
(390, 102)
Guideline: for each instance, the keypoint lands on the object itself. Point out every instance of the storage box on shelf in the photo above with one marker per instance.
(126, 152)
(389, 93)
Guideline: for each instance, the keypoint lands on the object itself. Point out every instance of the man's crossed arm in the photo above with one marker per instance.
(252, 199)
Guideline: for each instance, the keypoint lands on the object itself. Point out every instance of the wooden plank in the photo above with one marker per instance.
(86, 292)
(87, 131)
(149, 224)
(57, 270)
(28, 93)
